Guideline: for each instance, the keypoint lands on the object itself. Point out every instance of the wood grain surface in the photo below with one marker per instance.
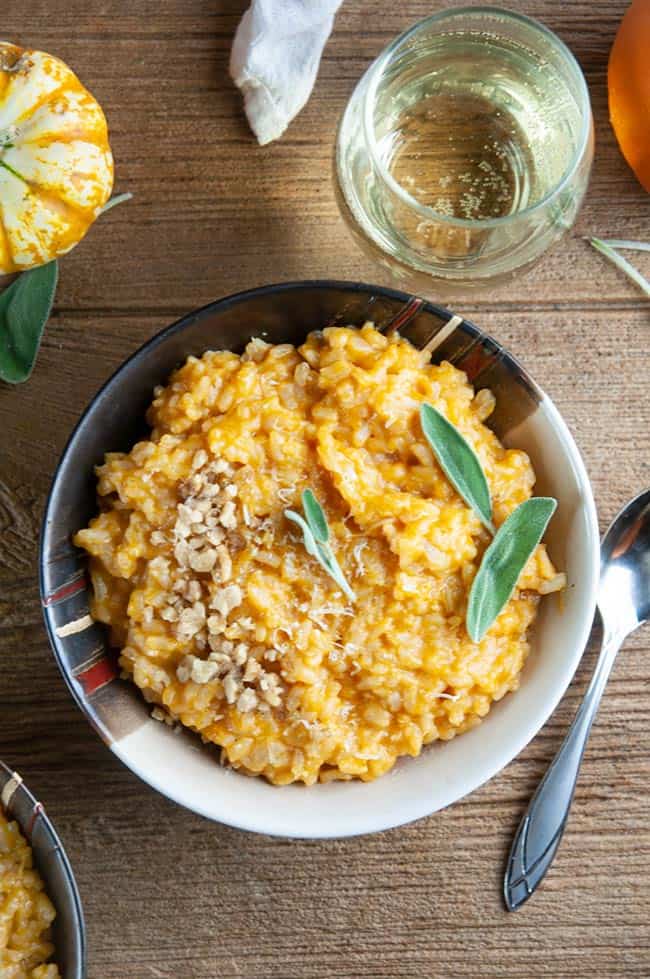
(167, 894)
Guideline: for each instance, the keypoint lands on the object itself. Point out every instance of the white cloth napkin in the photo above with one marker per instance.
(275, 58)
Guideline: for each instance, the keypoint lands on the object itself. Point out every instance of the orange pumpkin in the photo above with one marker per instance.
(628, 82)
(56, 167)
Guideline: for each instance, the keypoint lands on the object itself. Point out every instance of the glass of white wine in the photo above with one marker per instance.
(465, 149)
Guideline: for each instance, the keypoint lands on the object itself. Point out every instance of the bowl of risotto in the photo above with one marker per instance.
(259, 573)
(42, 933)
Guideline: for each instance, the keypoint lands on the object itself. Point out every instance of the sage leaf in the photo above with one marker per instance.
(459, 462)
(315, 517)
(310, 542)
(25, 308)
(316, 536)
(503, 562)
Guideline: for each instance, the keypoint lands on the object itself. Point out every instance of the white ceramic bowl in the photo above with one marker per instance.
(177, 764)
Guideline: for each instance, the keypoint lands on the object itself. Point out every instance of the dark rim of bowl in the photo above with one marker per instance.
(58, 852)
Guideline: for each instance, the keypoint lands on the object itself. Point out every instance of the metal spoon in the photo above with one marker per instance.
(624, 604)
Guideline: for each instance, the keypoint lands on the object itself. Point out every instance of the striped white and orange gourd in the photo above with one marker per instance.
(56, 166)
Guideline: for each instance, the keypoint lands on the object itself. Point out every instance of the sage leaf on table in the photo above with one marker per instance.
(459, 462)
(503, 562)
(25, 308)
(316, 536)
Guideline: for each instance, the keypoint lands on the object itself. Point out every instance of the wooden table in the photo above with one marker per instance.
(166, 893)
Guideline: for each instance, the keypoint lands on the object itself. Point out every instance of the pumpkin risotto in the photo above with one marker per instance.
(230, 627)
(26, 912)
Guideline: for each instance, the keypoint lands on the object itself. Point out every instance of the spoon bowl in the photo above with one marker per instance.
(624, 592)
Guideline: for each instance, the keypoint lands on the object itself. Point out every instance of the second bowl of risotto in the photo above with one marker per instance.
(260, 567)
(42, 931)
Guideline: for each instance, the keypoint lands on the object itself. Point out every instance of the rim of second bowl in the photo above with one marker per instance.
(256, 822)
(56, 854)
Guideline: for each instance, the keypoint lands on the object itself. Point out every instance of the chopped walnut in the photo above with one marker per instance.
(192, 591)
(214, 643)
(214, 535)
(270, 689)
(227, 599)
(182, 553)
(205, 540)
(252, 671)
(190, 621)
(228, 516)
(203, 561)
(222, 661)
(231, 687)
(216, 624)
(247, 700)
(225, 562)
(203, 670)
(184, 515)
(240, 654)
